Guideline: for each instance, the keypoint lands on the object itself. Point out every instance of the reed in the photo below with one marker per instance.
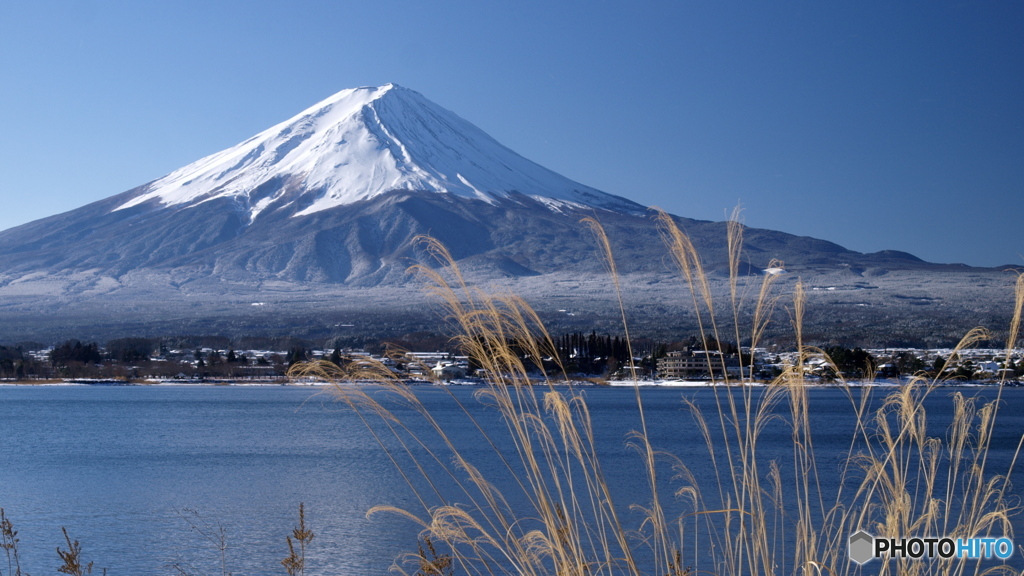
(9, 543)
(295, 563)
(71, 559)
(757, 516)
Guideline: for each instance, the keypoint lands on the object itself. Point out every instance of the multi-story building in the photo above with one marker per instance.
(698, 365)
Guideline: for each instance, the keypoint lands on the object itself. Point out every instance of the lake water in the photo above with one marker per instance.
(132, 472)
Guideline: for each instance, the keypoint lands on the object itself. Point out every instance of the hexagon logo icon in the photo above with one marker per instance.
(861, 547)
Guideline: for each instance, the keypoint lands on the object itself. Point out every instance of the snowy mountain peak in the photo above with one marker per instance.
(360, 143)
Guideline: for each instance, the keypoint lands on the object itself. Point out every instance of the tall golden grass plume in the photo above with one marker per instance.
(739, 420)
(758, 516)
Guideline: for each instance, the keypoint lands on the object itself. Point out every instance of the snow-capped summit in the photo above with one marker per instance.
(358, 144)
(306, 215)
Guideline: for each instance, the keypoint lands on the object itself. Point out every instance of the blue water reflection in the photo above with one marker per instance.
(118, 466)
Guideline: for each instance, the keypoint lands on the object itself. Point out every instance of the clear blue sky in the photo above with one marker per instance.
(872, 124)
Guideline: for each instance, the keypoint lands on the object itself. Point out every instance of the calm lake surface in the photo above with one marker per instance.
(127, 469)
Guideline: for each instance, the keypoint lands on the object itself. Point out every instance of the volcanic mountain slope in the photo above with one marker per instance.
(338, 196)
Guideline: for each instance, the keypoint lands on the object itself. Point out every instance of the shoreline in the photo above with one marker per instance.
(83, 382)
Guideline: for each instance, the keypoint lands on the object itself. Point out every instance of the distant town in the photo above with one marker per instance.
(581, 357)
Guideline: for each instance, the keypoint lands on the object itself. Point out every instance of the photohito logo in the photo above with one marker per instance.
(864, 547)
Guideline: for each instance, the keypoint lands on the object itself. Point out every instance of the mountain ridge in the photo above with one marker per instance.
(366, 237)
(263, 216)
(316, 182)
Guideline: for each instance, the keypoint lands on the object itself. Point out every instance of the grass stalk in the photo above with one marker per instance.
(757, 516)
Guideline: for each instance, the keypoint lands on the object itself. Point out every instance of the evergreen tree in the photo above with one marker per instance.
(214, 357)
(75, 351)
(965, 371)
(855, 363)
(295, 355)
(129, 350)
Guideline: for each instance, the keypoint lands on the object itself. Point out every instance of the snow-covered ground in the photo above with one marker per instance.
(363, 142)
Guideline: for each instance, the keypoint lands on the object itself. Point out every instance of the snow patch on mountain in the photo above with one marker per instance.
(363, 142)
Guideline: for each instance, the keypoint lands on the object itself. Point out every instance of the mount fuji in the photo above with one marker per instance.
(360, 144)
(327, 207)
